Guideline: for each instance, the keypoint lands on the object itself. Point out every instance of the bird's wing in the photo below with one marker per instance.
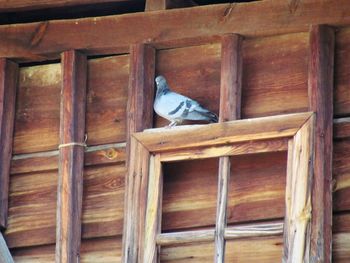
(172, 105)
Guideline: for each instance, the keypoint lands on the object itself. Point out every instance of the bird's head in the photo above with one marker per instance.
(161, 82)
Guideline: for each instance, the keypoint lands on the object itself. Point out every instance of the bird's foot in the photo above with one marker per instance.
(171, 124)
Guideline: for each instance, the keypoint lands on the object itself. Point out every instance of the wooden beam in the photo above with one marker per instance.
(5, 255)
(231, 78)
(297, 224)
(321, 74)
(230, 109)
(251, 147)
(179, 27)
(182, 137)
(8, 85)
(154, 5)
(23, 5)
(139, 117)
(71, 157)
(154, 211)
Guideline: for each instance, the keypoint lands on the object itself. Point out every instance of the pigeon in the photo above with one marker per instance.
(176, 107)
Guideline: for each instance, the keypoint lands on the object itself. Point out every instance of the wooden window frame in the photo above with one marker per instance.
(292, 132)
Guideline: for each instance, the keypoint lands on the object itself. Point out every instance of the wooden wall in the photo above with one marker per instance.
(274, 82)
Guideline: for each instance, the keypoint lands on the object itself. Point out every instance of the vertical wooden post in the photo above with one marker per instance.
(321, 64)
(139, 117)
(8, 85)
(154, 211)
(230, 109)
(71, 157)
(5, 255)
(297, 225)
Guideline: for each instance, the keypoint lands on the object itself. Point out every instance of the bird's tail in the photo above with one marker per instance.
(211, 116)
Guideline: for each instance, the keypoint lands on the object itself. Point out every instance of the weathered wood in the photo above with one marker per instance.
(231, 78)
(47, 161)
(32, 207)
(231, 232)
(139, 117)
(8, 86)
(230, 109)
(71, 157)
(221, 208)
(341, 128)
(222, 133)
(251, 147)
(47, 39)
(321, 67)
(22, 5)
(298, 227)
(5, 255)
(154, 210)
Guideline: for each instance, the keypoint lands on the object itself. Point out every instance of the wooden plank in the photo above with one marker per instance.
(32, 207)
(38, 109)
(47, 161)
(8, 86)
(297, 237)
(45, 39)
(251, 147)
(341, 128)
(5, 255)
(139, 117)
(321, 67)
(154, 210)
(182, 237)
(254, 230)
(222, 133)
(71, 159)
(23, 5)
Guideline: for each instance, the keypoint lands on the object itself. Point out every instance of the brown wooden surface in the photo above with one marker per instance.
(32, 213)
(181, 137)
(154, 5)
(321, 68)
(38, 104)
(139, 115)
(5, 255)
(21, 5)
(71, 157)
(47, 39)
(8, 87)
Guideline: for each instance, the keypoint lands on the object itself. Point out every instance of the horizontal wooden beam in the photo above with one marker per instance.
(231, 232)
(182, 137)
(8, 86)
(45, 40)
(251, 147)
(23, 5)
(47, 161)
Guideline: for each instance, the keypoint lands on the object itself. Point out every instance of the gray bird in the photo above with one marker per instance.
(176, 107)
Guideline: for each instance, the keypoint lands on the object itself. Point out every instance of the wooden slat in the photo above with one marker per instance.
(139, 117)
(298, 196)
(44, 40)
(230, 109)
(222, 133)
(251, 147)
(341, 128)
(154, 210)
(5, 255)
(71, 158)
(8, 85)
(321, 67)
(46, 161)
(254, 230)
